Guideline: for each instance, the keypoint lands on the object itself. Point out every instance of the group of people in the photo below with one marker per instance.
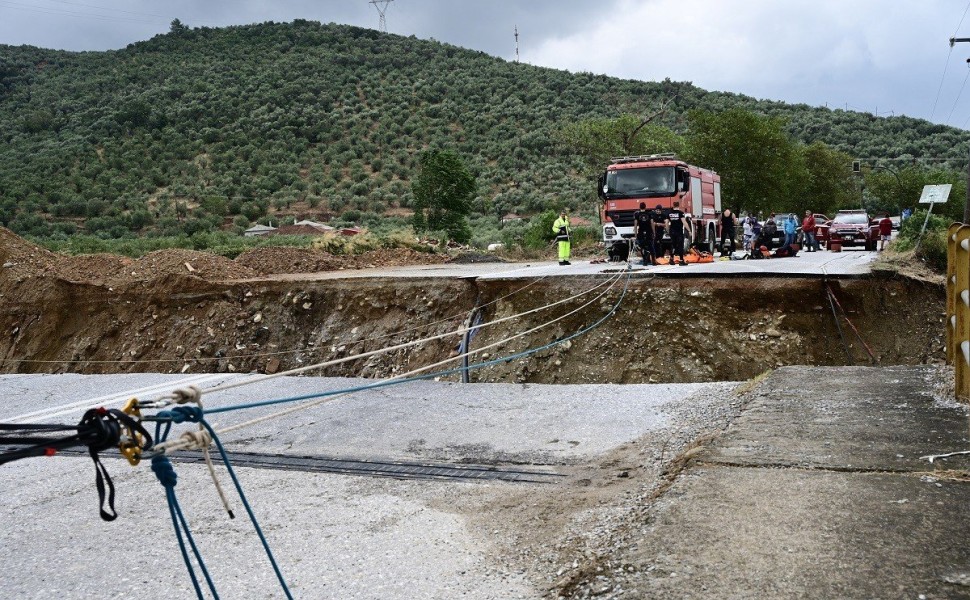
(650, 226)
(758, 237)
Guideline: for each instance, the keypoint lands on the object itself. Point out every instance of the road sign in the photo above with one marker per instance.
(935, 194)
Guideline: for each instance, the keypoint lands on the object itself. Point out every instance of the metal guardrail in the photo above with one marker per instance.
(958, 306)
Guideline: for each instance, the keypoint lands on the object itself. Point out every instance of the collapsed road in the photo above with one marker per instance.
(708, 322)
(638, 397)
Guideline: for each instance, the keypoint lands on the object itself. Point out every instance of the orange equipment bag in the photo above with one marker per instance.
(694, 256)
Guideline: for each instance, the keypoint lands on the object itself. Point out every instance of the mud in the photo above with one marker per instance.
(171, 319)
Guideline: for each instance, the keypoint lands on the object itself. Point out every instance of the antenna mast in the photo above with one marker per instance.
(516, 43)
(381, 6)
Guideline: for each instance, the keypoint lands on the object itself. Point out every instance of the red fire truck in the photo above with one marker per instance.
(657, 179)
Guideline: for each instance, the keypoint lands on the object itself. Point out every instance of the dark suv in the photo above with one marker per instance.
(854, 228)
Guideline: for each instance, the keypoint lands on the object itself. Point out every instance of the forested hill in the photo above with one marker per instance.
(177, 133)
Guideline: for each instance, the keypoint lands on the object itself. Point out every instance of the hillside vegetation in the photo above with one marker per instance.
(202, 129)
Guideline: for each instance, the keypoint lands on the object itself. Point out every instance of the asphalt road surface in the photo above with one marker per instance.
(334, 536)
(851, 262)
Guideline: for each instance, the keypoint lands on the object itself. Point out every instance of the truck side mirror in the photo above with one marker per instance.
(601, 186)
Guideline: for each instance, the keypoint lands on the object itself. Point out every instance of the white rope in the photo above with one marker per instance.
(168, 447)
(443, 320)
(337, 361)
(80, 405)
(265, 354)
(200, 439)
(188, 394)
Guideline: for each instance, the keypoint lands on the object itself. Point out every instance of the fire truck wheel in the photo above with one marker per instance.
(619, 252)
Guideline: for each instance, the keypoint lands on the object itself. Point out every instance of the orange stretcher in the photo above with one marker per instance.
(693, 256)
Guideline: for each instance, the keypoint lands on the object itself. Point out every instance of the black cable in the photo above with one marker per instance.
(98, 430)
(37, 445)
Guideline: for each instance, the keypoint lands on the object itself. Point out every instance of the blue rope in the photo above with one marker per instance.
(166, 474)
(249, 510)
(381, 384)
(163, 469)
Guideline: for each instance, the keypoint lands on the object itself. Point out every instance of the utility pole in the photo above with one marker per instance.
(966, 204)
(381, 6)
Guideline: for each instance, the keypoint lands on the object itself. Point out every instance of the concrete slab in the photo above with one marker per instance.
(731, 532)
(816, 491)
(851, 263)
(851, 418)
(335, 537)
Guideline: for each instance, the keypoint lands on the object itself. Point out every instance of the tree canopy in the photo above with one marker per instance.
(442, 195)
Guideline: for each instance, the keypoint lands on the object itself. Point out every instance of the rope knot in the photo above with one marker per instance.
(199, 439)
(164, 470)
(187, 394)
(100, 429)
(181, 414)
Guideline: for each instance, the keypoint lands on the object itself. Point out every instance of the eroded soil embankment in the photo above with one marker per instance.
(677, 330)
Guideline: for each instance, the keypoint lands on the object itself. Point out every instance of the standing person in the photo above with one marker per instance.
(808, 230)
(747, 234)
(643, 228)
(561, 228)
(755, 230)
(657, 214)
(907, 213)
(885, 231)
(727, 229)
(675, 227)
(791, 226)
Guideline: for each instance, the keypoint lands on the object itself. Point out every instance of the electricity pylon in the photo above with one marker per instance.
(381, 6)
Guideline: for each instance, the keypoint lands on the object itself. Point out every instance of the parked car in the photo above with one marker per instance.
(896, 222)
(854, 228)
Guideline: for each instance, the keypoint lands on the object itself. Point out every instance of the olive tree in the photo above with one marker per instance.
(443, 193)
(762, 167)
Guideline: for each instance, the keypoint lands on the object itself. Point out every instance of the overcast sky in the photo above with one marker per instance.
(890, 56)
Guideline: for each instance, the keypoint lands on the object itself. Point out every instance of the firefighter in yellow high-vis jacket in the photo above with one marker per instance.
(561, 228)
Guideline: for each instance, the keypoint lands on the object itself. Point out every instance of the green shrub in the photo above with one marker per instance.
(932, 250)
(540, 233)
(910, 229)
(932, 247)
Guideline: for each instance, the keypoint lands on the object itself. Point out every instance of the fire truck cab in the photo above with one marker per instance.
(657, 179)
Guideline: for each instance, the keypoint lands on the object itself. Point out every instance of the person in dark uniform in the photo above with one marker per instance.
(643, 228)
(728, 223)
(675, 227)
(657, 214)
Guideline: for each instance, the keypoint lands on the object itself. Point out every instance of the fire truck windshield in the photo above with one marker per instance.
(636, 183)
